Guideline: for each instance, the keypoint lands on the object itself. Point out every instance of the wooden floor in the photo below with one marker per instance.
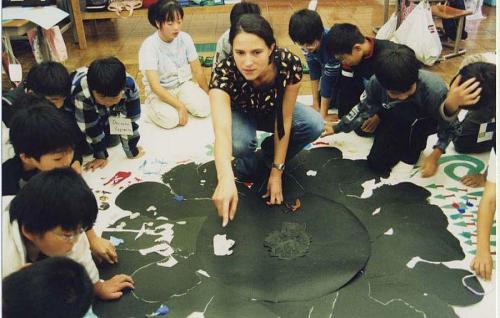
(123, 37)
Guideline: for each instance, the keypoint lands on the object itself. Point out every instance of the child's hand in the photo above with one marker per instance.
(140, 153)
(94, 164)
(467, 93)
(328, 129)
(482, 265)
(112, 288)
(371, 124)
(474, 181)
(103, 250)
(183, 115)
(77, 166)
(429, 167)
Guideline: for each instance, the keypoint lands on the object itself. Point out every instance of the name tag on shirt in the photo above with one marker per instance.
(184, 73)
(120, 126)
(486, 131)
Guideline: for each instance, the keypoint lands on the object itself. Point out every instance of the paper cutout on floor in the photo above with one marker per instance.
(115, 241)
(340, 217)
(311, 173)
(222, 245)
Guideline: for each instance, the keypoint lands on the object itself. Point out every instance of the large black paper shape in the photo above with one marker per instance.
(251, 272)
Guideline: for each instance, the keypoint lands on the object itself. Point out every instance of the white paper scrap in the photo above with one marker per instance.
(156, 249)
(170, 262)
(202, 272)
(389, 231)
(377, 211)
(312, 173)
(222, 245)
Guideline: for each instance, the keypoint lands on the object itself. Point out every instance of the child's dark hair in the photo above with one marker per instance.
(397, 68)
(254, 24)
(164, 11)
(49, 79)
(38, 129)
(107, 76)
(485, 74)
(56, 287)
(59, 197)
(241, 8)
(342, 37)
(305, 27)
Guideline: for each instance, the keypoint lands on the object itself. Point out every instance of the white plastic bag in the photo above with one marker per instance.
(387, 30)
(418, 31)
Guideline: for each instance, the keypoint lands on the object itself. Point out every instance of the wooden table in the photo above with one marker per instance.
(14, 28)
(79, 16)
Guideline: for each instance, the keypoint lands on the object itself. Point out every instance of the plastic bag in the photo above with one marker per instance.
(55, 42)
(419, 32)
(387, 30)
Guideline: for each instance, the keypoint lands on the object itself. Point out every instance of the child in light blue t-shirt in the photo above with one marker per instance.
(173, 78)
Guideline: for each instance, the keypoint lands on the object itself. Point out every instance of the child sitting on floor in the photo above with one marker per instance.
(169, 63)
(106, 105)
(47, 218)
(411, 104)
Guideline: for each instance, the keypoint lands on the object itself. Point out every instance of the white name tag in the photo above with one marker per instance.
(15, 72)
(120, 126)
(184, 73)
(484, 134)
(347, 73)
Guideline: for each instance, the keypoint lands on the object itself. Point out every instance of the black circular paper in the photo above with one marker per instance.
(339, 249)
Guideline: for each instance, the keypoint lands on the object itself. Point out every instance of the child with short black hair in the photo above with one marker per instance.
(106, 104)
(474, 87)
(46, 219)
(55, 287)
(223, 48)
(357, 53)
(306, 30)
(48, 79)
(172, 74)
(411, 104)
(42, 138)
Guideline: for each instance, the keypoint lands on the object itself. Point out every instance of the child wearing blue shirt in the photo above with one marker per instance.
(306, 29)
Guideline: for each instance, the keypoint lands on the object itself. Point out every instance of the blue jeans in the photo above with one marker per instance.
(307, 126)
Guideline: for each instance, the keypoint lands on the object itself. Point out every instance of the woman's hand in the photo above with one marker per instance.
(274, 189)
(225, 199)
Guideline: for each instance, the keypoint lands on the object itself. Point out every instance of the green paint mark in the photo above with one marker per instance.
(493, 243)
(455, 216)
(463, 224)
(205, 47)
(454, 189)
(494, 230)
(465, 234)
(468, 242)
(433, 186)
(473, 165)
(476, 194)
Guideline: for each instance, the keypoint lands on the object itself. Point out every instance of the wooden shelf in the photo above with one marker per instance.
(80, 16)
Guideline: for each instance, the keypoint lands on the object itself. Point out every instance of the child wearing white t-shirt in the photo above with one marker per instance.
(173, 78)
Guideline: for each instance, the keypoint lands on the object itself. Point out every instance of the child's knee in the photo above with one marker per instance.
(164, 116)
